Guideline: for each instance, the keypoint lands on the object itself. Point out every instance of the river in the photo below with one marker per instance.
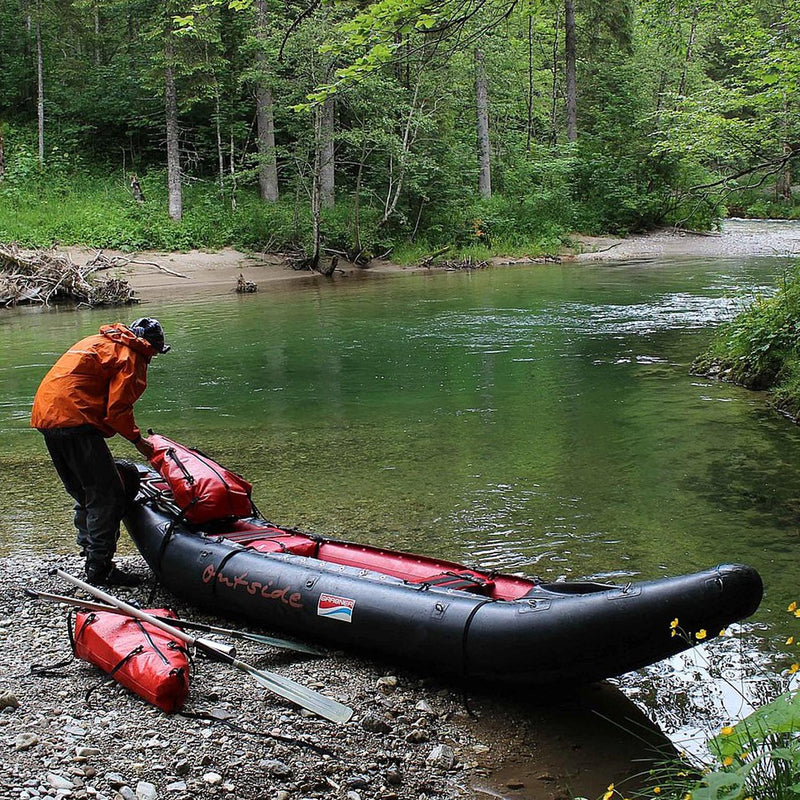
(539, 419)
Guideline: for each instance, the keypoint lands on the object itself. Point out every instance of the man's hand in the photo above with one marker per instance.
(145, 448)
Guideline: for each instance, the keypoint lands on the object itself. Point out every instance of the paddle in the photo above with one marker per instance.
(180, 623)
(284, 687)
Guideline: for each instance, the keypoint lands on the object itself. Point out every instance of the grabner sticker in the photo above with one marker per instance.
(341, 608)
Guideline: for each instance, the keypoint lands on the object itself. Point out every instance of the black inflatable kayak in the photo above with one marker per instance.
(438, 615)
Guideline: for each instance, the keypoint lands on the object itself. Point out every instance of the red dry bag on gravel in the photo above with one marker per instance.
(203, 489)
(143, 658)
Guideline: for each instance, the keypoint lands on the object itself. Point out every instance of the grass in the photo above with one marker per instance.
(756, 758)
(760, 347)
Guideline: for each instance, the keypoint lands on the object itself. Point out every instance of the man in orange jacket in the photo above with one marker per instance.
(84, 399)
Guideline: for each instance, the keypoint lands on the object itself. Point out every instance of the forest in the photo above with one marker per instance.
(398, 126)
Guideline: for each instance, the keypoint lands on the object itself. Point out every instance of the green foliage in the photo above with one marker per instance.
(760, 348)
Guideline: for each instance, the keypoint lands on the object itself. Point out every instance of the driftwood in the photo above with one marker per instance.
(46, 276)
(452, 264)
(244, 286)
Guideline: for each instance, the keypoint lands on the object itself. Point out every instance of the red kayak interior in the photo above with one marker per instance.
(412, 568)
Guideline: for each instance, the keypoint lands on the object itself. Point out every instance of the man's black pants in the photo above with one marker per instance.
(89, 474)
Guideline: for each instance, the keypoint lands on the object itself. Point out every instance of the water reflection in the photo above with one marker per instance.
(692, 695)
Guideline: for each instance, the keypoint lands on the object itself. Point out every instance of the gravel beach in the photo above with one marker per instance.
(75, 733)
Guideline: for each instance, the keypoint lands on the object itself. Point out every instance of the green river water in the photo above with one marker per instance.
(539, 419)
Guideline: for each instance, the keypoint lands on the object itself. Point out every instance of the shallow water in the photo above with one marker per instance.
(535, 419)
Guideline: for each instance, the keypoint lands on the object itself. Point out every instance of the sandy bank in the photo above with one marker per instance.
(154, 274)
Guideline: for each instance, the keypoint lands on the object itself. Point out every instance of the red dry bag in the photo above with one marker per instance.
(203, 489)
(143, 658)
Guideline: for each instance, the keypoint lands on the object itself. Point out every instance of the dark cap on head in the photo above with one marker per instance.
(151, 331)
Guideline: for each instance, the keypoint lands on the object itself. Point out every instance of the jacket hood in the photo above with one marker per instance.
(122, 334)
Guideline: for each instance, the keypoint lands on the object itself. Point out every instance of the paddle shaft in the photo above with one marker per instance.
(181, 623)
(137, 613)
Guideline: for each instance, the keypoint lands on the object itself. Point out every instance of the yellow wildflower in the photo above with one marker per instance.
(687, 796)
(701, 634)
(797, 613)
(674, 623)
(727, 730)
(722, 632)
(727, 761)
(656, 790)
(609, 792)
(792, 607)
(794, 668)
(790, 640)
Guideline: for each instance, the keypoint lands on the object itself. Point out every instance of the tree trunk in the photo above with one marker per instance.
(220, 151)
(173, 134)
(554, 89)
(316, 193)
(268, 163)
(40, 84)
(570, 57)
(97, 35)
(265, 121)
(482, 108)
(689, 51)
(529, 98)
(2, 152)
(325, 147)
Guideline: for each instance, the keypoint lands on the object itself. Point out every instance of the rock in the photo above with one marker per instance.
(24, 741)
(85, 752)
(424, 707)
(387, 684)
(393, 777)
(442, 757)
(357, 782)
(353, 796)
(59, 781)
(183, 767)
(212, 778)
(375, 724)
(417, 736)
(176, 786)
(115, 780)
(282, 795)
(146, 791)
(514, 783)
(8, 700)
(275, 767)
(126, 793)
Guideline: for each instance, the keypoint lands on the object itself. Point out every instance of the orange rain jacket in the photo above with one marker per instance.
(96, 382)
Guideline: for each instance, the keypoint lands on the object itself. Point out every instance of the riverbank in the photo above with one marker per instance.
(153, 274)
(73, 733)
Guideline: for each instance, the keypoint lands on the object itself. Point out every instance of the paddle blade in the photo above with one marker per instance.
(302, 696)
(284, 644)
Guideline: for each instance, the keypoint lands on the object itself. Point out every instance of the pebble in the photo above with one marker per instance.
(212, 778)
(146, 791)
(442, 756)
(59, 781)
(25, 741)
(8, 700)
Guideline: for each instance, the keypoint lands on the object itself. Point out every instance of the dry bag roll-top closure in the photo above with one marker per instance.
(203, 489)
